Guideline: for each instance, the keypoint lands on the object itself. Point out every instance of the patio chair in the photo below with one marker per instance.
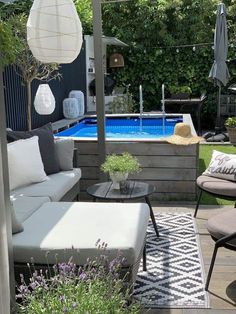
(222, 228)
(218, 187)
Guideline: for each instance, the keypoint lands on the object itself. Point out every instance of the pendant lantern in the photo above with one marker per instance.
(116, 60)
(54, 31)
(44, 101)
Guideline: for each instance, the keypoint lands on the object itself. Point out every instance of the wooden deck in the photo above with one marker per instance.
(222, 289)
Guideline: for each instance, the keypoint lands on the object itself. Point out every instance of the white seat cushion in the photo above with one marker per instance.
(25, 206)
(55, 187)
(60, 227)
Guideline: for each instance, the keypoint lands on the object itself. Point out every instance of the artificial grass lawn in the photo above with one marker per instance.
(205, 152)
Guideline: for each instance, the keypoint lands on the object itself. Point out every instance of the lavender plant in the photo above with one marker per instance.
(96, 288)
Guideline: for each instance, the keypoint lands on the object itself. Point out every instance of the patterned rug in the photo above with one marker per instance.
(175, 273)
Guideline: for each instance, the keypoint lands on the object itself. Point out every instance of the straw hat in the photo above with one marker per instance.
(183, 136)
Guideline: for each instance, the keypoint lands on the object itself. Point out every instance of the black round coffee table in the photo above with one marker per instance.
(136, 189)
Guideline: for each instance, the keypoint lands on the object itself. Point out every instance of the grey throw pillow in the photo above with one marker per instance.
(16, 224)
(46, 145)
(65, 152)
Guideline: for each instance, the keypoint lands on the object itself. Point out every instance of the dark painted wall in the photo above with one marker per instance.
(73, 77)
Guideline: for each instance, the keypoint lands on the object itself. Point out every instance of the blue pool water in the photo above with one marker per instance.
(124, 128)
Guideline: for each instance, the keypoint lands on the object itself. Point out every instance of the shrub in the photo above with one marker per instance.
(95, 288)
(230, 122)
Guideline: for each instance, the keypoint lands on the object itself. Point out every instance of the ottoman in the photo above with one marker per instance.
(64, 229)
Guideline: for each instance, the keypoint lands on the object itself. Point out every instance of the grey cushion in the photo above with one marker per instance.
(25, 206)
(46, 145)
(60, 227)
(223, 224)
(64, 152)
(16, 224)
(55, 187)
(217, 186)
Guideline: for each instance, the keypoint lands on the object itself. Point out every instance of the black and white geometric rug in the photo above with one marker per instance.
(175, 272)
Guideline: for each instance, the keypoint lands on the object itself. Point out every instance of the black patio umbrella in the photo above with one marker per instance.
(219, 72)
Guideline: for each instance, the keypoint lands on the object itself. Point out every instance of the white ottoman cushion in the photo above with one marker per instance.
(67, 229)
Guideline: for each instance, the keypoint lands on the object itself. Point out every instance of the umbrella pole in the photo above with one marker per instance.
(218, 120)
(218, 107)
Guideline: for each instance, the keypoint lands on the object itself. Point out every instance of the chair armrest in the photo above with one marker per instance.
(226, 239)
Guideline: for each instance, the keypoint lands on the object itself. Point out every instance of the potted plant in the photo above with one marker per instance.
(119, 167)
(230, 125)
(180, 92)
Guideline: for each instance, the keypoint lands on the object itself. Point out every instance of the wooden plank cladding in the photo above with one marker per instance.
(171, 168)
(139, 148)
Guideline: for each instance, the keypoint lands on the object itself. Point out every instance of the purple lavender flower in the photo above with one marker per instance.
(96, 244)
(82, 276)
(62, 298)
(33, 285)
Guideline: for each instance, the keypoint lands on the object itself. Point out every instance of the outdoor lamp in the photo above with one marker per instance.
(44, 101)
(54, 31)
(116, 60)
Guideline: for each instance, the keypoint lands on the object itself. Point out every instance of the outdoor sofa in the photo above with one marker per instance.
(49, 226)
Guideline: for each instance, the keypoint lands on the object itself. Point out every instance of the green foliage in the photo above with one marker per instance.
(122, 104)
(121, 163)
(95, 288)
(84, 9)
(153, 28)
(231, 122)
(8, 44)
(15, 8)
(180, 89)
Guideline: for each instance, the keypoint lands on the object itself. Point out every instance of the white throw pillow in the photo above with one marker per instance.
(25, 163)
(222, 166)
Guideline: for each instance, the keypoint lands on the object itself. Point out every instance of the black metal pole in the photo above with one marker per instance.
(218, 120)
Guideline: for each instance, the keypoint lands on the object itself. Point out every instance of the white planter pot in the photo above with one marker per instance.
(117, 177)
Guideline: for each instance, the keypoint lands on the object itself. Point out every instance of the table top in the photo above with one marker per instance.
(185, 101)
(136, 189)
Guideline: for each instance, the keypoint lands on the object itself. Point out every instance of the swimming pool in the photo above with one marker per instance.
(124, 128)
(172, 169)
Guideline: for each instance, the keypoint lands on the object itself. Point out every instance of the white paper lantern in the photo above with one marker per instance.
(44, 101)
(80, 97)
(70, 108)
(54, 31)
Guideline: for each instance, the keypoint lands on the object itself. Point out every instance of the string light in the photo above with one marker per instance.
(178, 47)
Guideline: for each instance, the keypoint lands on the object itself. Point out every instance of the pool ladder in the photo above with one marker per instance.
(163, 108)
(140, 108)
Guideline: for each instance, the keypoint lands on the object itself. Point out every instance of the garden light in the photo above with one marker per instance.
(54, 31)
(44, 101)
